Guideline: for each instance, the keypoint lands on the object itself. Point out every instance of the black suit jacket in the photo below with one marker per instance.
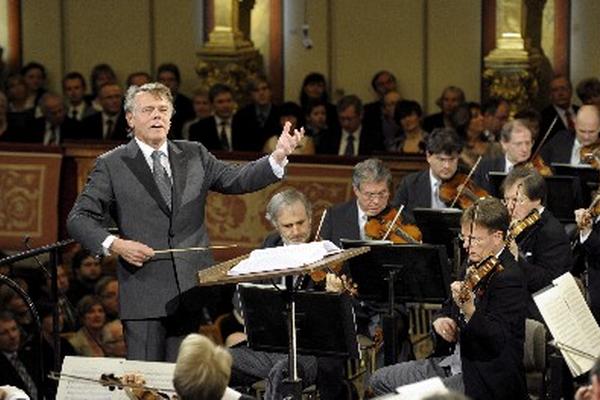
(92, 128)
(414, 192)
(246, 131)
(591, 248)
(559, 148)
(548, 114)
(205, 131)
(70, 129)
(341, 222)
(370, 142)
(433, 121)
(9, 375)
(492, 340)
(547, 253)
(487, 165)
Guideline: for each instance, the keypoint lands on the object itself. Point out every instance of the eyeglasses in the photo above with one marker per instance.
(513, 200)
(472, 239)
(376, 195)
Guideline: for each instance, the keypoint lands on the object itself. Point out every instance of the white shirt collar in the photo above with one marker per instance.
(433, 181)
(508, 165)
(356, 133)
(220, 120)
(147, 150)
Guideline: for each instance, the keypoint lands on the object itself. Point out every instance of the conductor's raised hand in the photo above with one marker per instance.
(133, 252)
(287, 142)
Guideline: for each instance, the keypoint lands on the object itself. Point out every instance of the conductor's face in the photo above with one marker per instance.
(150, 119)
(293, 223)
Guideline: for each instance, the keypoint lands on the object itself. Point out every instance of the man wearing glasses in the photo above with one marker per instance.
(421, 189)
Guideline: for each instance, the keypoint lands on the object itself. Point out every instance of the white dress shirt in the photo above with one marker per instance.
(344, 141)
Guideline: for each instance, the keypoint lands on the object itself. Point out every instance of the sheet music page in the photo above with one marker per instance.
(93, 368)
(565, 312)
(158, 375)
(420, 390)
(284, 257)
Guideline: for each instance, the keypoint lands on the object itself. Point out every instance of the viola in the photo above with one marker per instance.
(388, 226)
(476, 274)
(590, 154)
(460, 189)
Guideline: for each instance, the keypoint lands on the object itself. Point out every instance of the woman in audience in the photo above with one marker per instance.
(35, 78)
(292, 113)
(87, 341)
(314, 87)
(467, 119)
(316, 120)
(17, 94)
(408, 115)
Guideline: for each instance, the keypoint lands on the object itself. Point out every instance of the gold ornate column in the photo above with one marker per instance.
(228, 56)
(508, 71)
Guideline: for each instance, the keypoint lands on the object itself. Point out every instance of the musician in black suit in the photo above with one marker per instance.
(589, 238)
(353, 138)
(421, 189)
(561, 92)
(109, 124)
(565, 147)
(517, 141)
(488, 323)
(544, 248)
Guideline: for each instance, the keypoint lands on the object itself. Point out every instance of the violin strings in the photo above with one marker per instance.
(318, 234)
(393, 223)
(466, 181)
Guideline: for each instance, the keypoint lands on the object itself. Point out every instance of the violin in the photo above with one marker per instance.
(476, 274)
(460, 189)
(537, 162)
(590, 154)
(591, 213)
(388, 226)
(519, 226)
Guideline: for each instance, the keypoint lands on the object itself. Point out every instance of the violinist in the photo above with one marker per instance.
(564, 147)
(542, 241)
(588, 222)
(516, 141)
(489, 325)
(422, 188)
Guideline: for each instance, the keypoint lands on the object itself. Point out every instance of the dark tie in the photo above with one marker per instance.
(25, 377)
(261, 119)
(160, 176)
(109, 128)
(74, 114)
(223, 136)
(569, 118)
(349, 145)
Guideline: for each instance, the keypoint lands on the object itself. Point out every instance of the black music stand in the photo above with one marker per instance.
(589, 178)
(323, 322)
(563, 194)
(415, 273)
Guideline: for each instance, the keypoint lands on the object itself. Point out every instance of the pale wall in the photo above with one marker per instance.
(585, 39)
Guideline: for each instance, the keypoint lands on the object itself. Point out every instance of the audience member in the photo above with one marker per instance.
(109, 124)
(407, 115)
(69, 313)
(215, 132)
(314, 87)
(14, 302)
(101, 75)
(561, 108)
(315, 115)
(258, 121)
(588, 91)
(107, 288)
(54, 126)
(168, 74)
(17, 94)
(86, 273)
(495, 115)
(74, 88)
(138, 78)
(202, 109)
(383, 82)
(351, 139)
(565, 147)
(35, 79)
(450, 99)
(292, 113)
(390, 128)
(113, 340)
(87, 341)
(468, 123)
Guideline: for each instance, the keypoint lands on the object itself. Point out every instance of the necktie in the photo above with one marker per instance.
(109, 129)
(223, 137)
(261, 118)
(74, 114)
(24, 375)
(349, 151)
(162, 179)
(569, 118)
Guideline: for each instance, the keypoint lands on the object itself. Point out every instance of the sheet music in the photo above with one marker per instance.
(570, 321)
(420, 390)
(284, 257)
(158, 375)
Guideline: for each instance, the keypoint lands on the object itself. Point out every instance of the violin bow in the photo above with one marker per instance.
(393, 223)
(537, 150)
(460, 189)
(318, 234)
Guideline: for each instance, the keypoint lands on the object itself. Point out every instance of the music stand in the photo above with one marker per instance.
(589, 177)
(416, 273)
(563, 194)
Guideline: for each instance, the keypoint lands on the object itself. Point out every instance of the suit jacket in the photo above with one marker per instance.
(92, 128)
(433, 121)
(559, 148)
(184, 111)
(548, 114)
(491, 343)
(547, 253)
(414, 192)
(69, 129)
(341, 222)
(205, 131)
(122, 185)
(370, 141)
(487, 165)
(591, 248)
(10, 376)
(246, 132)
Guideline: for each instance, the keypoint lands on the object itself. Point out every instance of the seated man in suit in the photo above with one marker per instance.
(495, 114)
(383, 82)
(74, 90)
(564, 147)
(517, 142)
(16, 364)
(561, 92)
(54, 126)
(544, 247)
(589, 239)
(486, 326)
(449, 101)
(216, 132)
(109, 124)
(421, 189)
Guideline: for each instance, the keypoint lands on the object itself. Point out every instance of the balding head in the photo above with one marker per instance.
(587, 124)
(53, 108)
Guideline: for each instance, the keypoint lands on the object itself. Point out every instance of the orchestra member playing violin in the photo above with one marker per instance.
(566, 148)
(488, 324)
(422, 189)
(545, 251)
(516, 141)
(588, 222)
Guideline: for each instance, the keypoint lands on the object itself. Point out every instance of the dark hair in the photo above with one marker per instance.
(313, 77)
(588, 89)
(138, 73)
(44, 308)
(33, 65)
(74, 75)
(491, 105)
(103, 283)
(254, 82)
(169, 67)
(377, 75)
(443, 141)
(217, 89)
(489, 213)
(78, 258)
(533, 184)
(6, 315)
(289, 108)
(404, 108)
(461, 117)
(86, 303)
(96, 72)
(350, 100)
(312, 104)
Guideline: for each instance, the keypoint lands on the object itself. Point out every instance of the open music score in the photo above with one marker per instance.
(217, 275)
